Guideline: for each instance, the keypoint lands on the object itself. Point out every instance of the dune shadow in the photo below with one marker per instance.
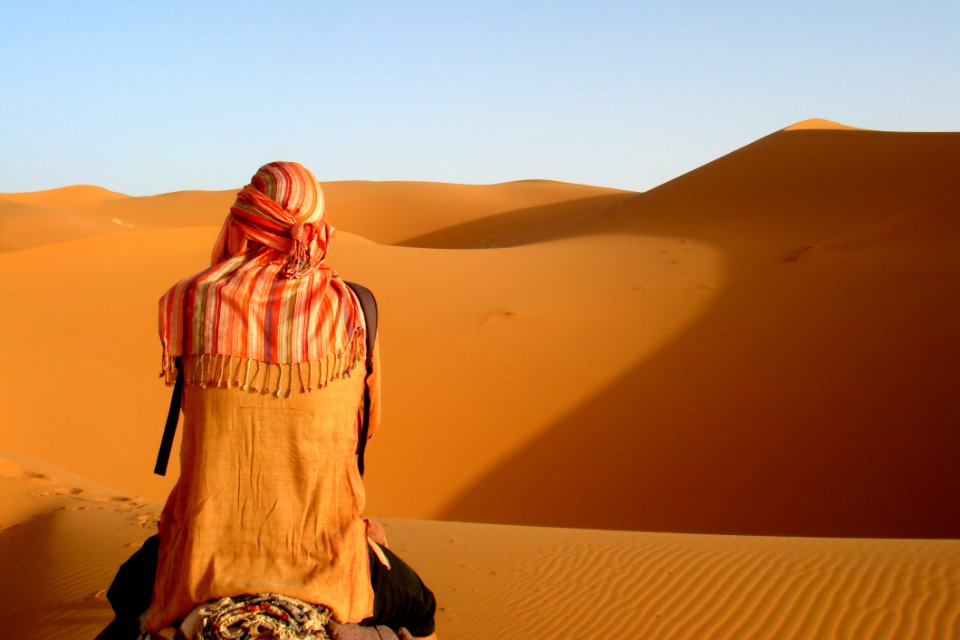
(39, 563)
(816, 397)
(669, 447)
(519, 226)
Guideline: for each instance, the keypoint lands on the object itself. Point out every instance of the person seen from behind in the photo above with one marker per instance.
(265, 526)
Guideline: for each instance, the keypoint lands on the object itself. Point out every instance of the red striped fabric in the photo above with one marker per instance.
(268, 298)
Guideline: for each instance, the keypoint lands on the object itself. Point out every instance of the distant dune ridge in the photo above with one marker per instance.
(764, 346)
(819, 123)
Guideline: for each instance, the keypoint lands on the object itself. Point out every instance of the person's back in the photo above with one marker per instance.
(268, 492)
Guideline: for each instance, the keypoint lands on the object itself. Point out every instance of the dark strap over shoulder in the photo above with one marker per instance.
(369, 304)
(170, 430)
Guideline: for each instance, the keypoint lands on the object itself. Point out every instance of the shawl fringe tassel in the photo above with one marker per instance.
(279, 379)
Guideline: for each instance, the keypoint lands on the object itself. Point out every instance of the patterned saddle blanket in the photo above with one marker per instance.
(267, 615)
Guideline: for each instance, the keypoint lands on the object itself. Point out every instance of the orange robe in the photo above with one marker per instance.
(269, 499)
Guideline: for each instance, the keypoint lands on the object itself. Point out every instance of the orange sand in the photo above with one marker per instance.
(62, 537)
(766, 345)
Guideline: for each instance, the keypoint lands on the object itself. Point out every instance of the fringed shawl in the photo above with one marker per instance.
(268, 315)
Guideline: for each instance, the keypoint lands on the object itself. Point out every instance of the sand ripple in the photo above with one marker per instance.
(577, 584)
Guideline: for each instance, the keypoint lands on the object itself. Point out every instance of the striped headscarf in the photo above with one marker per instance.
(268, 314)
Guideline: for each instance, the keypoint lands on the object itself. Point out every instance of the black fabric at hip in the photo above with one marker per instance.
(400, 599)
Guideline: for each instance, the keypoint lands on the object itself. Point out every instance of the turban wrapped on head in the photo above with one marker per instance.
(268, 301)
(281, 210)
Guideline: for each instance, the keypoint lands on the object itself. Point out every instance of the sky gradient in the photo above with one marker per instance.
(147, 99)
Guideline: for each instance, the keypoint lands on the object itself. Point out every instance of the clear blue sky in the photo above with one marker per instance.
(147, 98)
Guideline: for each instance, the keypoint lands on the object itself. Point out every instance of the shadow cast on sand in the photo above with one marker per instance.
(517, 227)
(816, 397)
(50, 576)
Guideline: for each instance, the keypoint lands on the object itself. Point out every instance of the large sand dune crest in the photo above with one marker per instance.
(815, 396)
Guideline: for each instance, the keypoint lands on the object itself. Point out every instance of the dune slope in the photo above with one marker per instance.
(62, 537)
(816, 395)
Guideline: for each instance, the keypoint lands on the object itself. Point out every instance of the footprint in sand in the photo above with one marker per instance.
(10, 469)
(148, 520)
(80, 499)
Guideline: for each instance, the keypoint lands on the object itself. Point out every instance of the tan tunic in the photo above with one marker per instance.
(269, 500)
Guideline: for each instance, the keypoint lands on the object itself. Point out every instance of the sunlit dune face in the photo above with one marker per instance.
(820, 123)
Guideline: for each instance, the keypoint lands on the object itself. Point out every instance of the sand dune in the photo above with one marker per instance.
(766, 345)
(815, 395)
(178, 209)
(385, 212)
(127, 412)
(42, 217)
(525, 383)
(616, 584)
(819, 123)
(23, 225)
(409, 213)
(63, 537)
(74, 197)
